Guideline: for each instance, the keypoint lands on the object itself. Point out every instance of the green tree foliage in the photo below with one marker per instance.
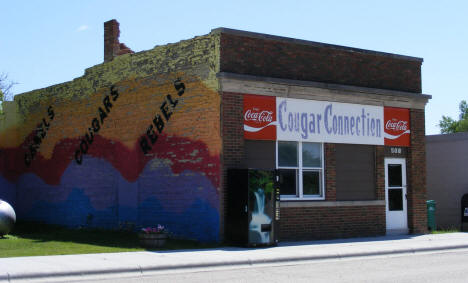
(448, 125)
(5, 87)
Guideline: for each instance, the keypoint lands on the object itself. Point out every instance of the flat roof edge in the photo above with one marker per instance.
(447, 137)
(323, 85)
(313, 43)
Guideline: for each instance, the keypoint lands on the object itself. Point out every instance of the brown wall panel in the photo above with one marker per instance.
(259, 154)
(355, 172)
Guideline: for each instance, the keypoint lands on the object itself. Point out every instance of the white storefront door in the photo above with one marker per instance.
(395, 196)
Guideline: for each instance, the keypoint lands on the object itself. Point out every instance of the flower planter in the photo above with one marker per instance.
(152, 240)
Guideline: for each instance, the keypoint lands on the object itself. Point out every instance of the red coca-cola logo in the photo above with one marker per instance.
(396, 125)
(258, 115)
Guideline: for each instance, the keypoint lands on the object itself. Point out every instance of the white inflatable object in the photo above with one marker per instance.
(7, 218)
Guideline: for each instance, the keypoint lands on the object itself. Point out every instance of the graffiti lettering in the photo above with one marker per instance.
(167, 109)
(41, 132)
(179, 86)
(96, 124)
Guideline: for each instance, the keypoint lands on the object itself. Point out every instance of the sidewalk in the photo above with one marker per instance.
(75, 267)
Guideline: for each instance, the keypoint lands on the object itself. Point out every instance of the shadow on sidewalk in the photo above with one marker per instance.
(351, 240)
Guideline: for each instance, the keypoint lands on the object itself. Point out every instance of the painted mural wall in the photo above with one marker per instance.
(134, 142)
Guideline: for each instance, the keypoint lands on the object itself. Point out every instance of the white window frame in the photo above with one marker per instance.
(299, 174)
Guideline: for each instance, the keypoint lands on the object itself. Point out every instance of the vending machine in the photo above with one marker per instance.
(253, 210)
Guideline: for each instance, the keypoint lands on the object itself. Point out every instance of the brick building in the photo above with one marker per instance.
(147, 138)
(447, 181)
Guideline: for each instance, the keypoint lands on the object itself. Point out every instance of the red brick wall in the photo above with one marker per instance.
(126, 147)
(313, 223)
(308, 223)
(320, 63)
(112, 46)
(330, 172)
(232, 107)
(303, 223)
(111, 39)
(254, 54)
(380, 172)
(416, 167)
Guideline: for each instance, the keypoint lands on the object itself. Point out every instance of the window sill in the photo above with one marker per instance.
(314, 203)
(302, 199)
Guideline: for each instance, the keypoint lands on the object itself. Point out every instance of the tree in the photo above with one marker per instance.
(5, 88)
(449, 126)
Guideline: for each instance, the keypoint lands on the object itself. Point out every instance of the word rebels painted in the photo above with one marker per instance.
(41, 132)
(167, 109)
(96, 124)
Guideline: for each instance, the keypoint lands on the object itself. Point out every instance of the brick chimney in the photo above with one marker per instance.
(112, 46)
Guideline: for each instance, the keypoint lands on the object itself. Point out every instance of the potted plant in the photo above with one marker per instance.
(153, 237)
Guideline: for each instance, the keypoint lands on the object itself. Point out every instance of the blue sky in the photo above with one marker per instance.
(49, 42)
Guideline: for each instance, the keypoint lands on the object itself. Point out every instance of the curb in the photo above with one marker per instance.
(248, 262)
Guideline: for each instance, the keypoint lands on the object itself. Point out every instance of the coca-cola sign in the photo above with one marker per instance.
(329, 122)
(397, 126)
(259, 117)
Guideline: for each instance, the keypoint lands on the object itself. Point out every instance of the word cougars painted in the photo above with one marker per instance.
(40, 134)
(96, 124)
(167, 109)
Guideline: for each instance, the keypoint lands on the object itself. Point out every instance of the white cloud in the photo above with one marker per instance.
(82, 28)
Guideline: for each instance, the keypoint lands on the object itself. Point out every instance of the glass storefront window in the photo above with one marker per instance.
(300, 174)
(287, 154)
(311, 182)
(311, 154)
(288, 182)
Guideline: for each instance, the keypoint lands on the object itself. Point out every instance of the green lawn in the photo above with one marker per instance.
(31, 239)
(454, 230)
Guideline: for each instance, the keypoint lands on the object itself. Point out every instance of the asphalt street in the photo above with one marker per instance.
(114, 266)
(442, 266)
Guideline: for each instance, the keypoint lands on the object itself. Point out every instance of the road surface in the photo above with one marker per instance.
(442, 266)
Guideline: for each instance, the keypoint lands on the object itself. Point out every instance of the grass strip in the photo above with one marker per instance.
(35, 239)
